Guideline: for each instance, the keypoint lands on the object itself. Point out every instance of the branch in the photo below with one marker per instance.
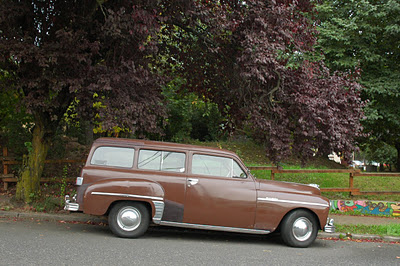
(196, 33)
(275, 88)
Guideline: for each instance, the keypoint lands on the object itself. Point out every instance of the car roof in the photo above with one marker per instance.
(159, 144)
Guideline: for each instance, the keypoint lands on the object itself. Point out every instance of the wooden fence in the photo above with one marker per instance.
(7, 177)
(352, 173)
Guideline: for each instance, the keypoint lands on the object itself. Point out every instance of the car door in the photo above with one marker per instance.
(219, 193)
(168, 168)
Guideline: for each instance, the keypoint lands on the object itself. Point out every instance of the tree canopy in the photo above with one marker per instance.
(57, 53)
(255, 59)
(364, 35)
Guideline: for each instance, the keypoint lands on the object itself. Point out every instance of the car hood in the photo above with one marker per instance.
(279, 186)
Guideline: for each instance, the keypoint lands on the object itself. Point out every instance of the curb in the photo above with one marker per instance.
(344, 236)
(73, 217)
(85, 218)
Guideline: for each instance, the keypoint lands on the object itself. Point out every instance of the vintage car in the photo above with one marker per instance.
(136, 182)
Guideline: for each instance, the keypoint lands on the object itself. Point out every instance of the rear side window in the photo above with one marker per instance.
(162, 160)
(113, 156)
(216, 166)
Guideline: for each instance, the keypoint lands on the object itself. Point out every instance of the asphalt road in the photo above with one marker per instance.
(34, 242)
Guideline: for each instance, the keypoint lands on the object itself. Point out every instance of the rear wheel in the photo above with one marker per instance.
(129, 219)
(299, 229)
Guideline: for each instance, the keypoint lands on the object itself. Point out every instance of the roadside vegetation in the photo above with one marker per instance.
(381, 230)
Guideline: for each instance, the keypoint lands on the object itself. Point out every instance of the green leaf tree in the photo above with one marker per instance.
(364, 36)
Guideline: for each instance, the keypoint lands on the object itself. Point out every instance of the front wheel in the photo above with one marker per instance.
(299, 229)
(129, 219)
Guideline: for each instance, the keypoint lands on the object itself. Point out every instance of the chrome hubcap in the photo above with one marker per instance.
(129, 218)
(302, 229)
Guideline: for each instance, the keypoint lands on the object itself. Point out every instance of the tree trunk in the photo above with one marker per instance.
(398, 157)
(88, 132)
(29, 183)
(381, 167)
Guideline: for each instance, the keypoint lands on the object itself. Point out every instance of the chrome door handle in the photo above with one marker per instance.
(192, 181)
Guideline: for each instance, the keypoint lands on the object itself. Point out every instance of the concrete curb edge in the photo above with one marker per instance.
(75, 217)
(391, 239)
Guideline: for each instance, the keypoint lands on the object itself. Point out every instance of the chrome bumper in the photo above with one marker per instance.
(70, 204)
(329, 227)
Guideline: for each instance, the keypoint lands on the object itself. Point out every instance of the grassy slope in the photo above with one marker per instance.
(254, 155)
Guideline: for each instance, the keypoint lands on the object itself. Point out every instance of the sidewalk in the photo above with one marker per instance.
(339, 219)
(365, 220)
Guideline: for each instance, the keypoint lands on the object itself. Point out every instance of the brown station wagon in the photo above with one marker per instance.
(136, 182)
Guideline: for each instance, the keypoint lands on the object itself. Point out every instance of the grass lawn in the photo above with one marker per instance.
(381, 230)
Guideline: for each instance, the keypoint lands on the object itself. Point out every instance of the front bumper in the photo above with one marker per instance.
(70, 203)
(329, 227)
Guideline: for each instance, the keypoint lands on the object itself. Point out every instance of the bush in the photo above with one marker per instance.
(190, 116)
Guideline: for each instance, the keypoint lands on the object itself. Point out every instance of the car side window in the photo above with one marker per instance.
(162, 160)
(216, 166)
(113, 156)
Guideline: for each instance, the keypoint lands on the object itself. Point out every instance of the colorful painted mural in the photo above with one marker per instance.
(365, 206)
(396, 209)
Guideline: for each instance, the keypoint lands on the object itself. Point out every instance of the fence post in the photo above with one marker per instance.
(351, 183)
(272, 174)
(5, 166)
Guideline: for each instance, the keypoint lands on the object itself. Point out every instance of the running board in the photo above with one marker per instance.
(216, 228)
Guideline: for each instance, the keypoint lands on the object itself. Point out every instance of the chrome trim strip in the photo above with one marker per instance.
(73, 207)
(216, 228)
(126, 195)
(293, 202)
(159, 210)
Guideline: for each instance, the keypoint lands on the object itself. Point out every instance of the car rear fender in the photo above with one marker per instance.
(99, 196)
